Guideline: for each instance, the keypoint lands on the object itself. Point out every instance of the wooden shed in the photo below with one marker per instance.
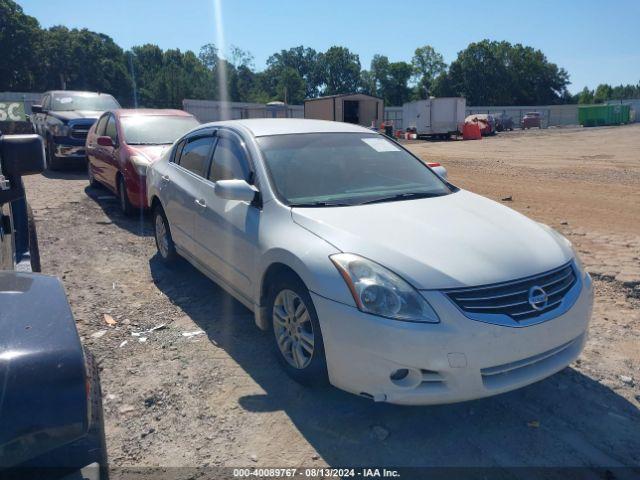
(358, 108)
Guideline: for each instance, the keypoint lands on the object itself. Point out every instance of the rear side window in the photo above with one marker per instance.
(229, 161)
(195, 155)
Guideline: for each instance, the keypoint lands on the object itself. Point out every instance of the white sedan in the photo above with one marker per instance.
(370, 271)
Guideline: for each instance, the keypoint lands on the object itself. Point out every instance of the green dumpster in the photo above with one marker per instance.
(599, 115)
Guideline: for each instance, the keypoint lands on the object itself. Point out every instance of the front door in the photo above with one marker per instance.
(227, 230)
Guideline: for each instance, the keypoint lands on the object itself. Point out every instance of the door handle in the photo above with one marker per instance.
(201, 203)
(165, 178)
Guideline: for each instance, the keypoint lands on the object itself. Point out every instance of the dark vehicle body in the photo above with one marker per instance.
(503, 122)
(531, 120)
(50, 401)
(63, 119)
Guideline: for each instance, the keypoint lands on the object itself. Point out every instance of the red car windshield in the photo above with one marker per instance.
(155, 129)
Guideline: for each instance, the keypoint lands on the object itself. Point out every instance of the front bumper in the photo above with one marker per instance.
(456, 360)
(69, 148)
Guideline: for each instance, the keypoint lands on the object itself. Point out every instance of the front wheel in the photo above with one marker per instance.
(162, 233)
(125, 205)
(297, 338)
(92, 179)
(50, 156)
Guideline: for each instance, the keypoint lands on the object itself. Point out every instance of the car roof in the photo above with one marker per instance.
(62, 92)
(135, 112)
(260, 127)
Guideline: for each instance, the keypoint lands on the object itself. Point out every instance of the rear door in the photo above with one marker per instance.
(226, 231)
(186, 170)
(110, 154)
(94, 152)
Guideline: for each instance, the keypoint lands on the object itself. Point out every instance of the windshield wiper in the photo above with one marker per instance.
(320, 204)
(147, 143)
(402, 196)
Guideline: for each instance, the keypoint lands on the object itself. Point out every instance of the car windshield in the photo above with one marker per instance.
(345, 169)
(155, 129)
(83, 101)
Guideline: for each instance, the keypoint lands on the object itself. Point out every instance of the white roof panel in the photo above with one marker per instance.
(261, 127)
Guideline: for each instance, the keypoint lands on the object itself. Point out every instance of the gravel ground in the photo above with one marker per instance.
(218, 397)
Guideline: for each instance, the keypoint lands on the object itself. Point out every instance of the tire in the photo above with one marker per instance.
(34, 248)
(52, 162)
(92, 180)
(123, 198)
(311, 368)
(167, 252)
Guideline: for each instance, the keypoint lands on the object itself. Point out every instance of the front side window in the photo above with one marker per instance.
(101, 124)
(195, 155)
(97, 102)
(110, 130)
(229, 161)
(345, 168)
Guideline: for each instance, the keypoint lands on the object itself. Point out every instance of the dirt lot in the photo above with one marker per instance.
(220, 399)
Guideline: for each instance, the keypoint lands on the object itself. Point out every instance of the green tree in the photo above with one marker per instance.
(301, 59)
(499, 73)
(20, 42)
(427, 65)
(390, 79)
(585, 96)
(603, 93)
(338, 71)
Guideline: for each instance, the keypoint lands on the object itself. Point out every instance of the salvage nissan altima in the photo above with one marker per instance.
(368, 269)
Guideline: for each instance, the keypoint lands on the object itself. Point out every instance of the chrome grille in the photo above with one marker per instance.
(80, 131)
(512, 298)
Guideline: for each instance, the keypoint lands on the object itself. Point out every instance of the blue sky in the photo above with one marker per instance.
(595, 41)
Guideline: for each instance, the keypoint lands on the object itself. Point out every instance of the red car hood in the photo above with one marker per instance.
(152, 152)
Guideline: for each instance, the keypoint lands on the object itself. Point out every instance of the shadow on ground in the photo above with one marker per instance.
(568, 420)
(138, 223)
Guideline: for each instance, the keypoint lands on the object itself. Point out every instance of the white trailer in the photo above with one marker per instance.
(434, 116)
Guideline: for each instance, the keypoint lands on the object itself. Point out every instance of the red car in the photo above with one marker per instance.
(531, 119)
(485, 121)
(123, 143)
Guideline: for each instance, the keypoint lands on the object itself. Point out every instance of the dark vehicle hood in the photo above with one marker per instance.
(43, 401)
(65, 116)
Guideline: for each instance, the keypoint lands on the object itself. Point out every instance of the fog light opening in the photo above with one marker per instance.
(399, 374)
(406, 377)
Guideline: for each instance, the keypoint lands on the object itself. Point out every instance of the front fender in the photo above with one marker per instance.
(308, 256)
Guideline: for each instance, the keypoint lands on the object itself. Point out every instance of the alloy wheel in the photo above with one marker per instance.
(162, 239)
(293, 329)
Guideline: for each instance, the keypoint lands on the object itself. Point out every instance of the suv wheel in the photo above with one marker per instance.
(162, 233)
(52, 163)
(297, 338)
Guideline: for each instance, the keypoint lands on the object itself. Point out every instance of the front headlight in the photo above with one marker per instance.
(140, 163)
(60, 129)
(379, 291)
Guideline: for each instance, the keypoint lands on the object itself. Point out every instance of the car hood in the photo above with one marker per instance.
(75, 114)
(152, 152)
(452, 241)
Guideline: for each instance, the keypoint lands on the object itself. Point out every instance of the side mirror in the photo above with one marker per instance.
(22, 155)
(105, 142)
(235, 190)
(36, 109)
